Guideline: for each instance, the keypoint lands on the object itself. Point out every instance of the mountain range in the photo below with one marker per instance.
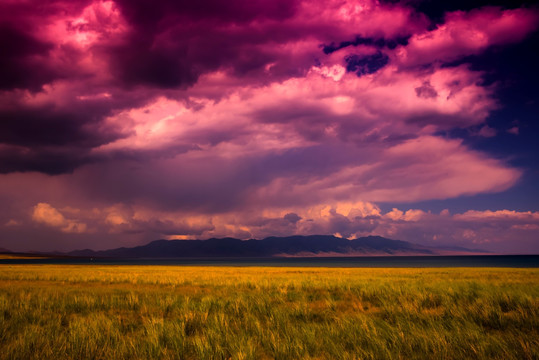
(291, 246)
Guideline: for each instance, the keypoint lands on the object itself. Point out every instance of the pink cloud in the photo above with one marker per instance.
(300, 111)
(346, 19)
(511, 215)
(514, 233)
(178, 120)
(468, 33)
(499, 231)
(46, 214)
(514, 130)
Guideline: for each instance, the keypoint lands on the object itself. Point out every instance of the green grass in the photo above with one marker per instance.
(165, 312)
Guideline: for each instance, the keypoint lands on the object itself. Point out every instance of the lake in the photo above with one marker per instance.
(515, 261)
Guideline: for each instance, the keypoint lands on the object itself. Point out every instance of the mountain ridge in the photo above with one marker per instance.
(290, 246)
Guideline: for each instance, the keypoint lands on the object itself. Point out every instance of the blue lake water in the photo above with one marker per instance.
(513, 261)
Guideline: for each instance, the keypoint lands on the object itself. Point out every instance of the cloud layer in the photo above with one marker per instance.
(245, 118)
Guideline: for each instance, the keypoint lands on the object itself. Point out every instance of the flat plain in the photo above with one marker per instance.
(222, 312)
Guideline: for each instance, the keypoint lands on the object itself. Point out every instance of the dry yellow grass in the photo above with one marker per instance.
(195, 312)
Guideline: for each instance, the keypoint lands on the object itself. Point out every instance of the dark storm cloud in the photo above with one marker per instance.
(426, 91)
(379, 43)
(436, 10)
(48, 160)
(172, 43)
(50, 125)
(368, 64)
(22, 62)
(52, 138)
(180, 56)
(25, 56)
(148, 15)
(165, 44)
(292, 217)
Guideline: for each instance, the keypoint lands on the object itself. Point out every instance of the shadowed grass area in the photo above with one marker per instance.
(166, 312)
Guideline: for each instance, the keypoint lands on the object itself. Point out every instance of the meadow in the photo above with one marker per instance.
(202, 312)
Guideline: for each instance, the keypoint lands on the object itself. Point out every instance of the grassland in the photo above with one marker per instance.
(165, 312)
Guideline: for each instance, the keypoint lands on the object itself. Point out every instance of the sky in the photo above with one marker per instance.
(127, 121)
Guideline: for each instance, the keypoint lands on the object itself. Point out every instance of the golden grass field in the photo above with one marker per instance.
(196, 312)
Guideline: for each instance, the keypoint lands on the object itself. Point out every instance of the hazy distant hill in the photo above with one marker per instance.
(315, 245)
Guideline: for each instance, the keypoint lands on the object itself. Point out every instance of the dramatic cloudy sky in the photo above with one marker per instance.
(127, 121)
